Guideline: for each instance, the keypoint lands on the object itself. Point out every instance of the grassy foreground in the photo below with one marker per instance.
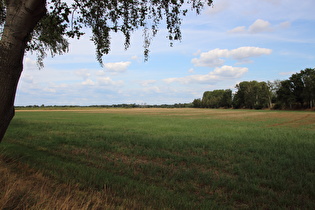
(158, 159)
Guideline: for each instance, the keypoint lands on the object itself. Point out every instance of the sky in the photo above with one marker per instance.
(230, 42)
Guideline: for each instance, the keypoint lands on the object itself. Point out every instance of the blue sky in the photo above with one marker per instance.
(232, 41)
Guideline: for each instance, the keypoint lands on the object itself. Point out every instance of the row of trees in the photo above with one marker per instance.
(144, 105)
(215, 99)
(297, 92)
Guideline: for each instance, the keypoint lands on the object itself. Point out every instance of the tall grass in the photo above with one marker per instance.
(173, 158)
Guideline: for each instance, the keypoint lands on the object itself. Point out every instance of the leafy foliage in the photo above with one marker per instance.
(298, 91)
(217, 99)
(252, 94)
(104, 17)
(66, 20)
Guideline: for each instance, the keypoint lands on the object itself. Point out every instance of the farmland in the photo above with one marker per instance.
(158, 159)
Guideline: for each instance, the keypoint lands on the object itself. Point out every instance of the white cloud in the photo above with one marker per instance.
(153, 89)
(213, 58)
(218, 7)
(147, 82)
(108, 81)
(239, 29)
(230, 71)
(88, 82)
(100, 73)
(224, 72)
(247, 52)
(260, 26)
(117, 67)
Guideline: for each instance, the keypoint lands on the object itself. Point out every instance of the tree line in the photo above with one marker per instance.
(297, 92)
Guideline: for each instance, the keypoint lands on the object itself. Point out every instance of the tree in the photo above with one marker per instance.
(40, 26)
(308, 78)
(226, 101)
(273, 86)
(304, 87)
(285, 96)
(252, 95)
(298, 91)
(217, 99)
(197, 103)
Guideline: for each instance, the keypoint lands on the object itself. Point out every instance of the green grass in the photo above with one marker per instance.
(174, 158)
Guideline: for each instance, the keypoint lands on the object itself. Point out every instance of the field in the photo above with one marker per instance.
(158, 159)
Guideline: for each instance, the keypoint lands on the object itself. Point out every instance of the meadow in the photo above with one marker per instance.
(158, 159)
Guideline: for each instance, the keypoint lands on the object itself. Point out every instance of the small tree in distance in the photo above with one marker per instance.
(42, 26)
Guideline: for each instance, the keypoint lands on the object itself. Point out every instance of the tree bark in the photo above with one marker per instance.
(22, 17)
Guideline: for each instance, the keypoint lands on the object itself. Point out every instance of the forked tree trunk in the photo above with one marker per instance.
(22, 17)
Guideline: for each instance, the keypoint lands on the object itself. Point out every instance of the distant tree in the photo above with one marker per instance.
(297, 88)
(273, 88)
(264, 96)
(40, 26)
(217, 99)
(298, 91)
(197, 103)
(226, 100)
(308, 79)
(252, 94)
(285, 96)
(241, 99)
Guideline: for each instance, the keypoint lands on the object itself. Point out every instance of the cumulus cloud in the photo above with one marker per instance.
(117, 67)
(213, 58)
(247, 52)
(259, 26)
(106, 81)
(230, 71)
(88, 82)
(239, 29)
(219, 73)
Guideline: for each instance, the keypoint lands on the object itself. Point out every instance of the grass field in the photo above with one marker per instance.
(158, 159)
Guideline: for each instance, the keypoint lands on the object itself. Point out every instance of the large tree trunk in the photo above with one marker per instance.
(22, 17)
